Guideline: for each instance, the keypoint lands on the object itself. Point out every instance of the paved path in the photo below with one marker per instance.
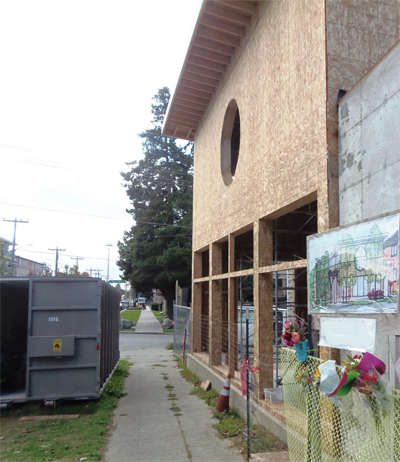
(148, 323)
(146, 429)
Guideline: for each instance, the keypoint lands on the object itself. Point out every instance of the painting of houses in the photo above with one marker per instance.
(355, 269)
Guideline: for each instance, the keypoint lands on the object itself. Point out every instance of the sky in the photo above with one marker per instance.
(76, 85)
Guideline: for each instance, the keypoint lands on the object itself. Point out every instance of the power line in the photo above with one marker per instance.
(57, 250)
(77, 258)
(97, 216)
(67, 212)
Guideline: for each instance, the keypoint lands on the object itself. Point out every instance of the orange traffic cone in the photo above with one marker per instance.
(223, 402)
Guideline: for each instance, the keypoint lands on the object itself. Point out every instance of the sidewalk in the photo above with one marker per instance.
(148, 323)
(150, 426)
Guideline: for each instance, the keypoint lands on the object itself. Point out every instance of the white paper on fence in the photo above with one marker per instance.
(397, 367)
(329, 379)
(355, 334)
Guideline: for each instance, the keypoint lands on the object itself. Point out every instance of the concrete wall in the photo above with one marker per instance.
(359, 33)
(369, 168)
(369, 127)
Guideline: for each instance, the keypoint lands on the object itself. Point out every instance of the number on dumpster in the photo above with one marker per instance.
(53, 319)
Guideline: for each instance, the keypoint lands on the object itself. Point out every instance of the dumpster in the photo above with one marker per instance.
(59, 338)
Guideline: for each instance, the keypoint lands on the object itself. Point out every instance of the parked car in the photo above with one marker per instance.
(142, 302)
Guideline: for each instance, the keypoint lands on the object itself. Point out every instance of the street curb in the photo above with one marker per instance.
(144, 333)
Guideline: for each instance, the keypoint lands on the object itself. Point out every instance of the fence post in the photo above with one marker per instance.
(248, 389)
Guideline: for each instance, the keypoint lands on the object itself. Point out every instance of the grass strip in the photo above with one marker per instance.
(131, 315)
(231, 425)
(66, 439)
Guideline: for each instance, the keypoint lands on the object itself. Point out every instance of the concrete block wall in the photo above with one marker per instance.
(369, 125)
(369, 169)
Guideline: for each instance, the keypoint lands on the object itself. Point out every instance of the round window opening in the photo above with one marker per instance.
(230, 143)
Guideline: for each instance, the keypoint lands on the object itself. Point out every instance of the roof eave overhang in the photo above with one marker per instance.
(218, 33)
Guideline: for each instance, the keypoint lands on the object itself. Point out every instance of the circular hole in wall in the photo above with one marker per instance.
(230, 143)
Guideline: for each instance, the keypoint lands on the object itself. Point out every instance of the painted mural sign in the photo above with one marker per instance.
(355, 269)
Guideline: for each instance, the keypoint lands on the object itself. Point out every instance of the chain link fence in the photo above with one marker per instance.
(317, 430)
(360, 430)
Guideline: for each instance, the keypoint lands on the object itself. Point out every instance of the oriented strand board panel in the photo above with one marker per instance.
(278, 79)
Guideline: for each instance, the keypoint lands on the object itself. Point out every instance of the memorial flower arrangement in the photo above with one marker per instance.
(363, 373)
(295, 335)
(294, 332)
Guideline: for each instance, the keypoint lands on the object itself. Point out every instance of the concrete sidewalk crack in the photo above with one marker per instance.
(176, 409)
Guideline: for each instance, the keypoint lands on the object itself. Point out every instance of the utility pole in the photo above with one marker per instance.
(95, 270)
(57, 250)
(98, 272)
(77, 258)
(13, 263)
(108, 261)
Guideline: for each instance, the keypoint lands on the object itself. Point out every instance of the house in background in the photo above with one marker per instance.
(258, 95)
(28, 268)
(391, 250)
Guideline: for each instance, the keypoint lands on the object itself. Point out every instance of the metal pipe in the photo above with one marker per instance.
(248, 390)
(276, 303)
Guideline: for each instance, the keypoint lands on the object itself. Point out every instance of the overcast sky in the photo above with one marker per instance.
(76, 82)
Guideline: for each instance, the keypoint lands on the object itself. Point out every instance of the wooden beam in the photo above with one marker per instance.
(185, 102)
(206, 72)
(196, 89)
(223, 25)
(184, 117)
(212, 83)
(247, 7)
(207, 64)
(208, 44)
(184, 94)
(210, 55)
(224, 11)
(217, 36)
(189, 110)
(181, 123)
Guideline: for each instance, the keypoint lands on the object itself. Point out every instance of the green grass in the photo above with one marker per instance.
(131, 315)
(231, 425)
(159, 315)
(62, 440)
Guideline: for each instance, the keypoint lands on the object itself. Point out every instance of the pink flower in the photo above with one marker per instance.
(296, 337)
(289, 343)
(288, 325)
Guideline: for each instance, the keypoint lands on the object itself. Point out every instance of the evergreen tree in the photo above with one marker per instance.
(156, 251)
(5, 260)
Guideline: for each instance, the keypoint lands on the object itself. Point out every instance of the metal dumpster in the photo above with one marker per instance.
(59, 338)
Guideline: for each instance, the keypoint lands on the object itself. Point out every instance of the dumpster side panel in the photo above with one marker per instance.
(109, 347)
(63, 337)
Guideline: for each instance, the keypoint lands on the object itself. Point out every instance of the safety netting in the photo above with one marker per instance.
(359, 428)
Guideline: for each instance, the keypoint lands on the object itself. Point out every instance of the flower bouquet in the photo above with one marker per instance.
(363, 373)
(295, 335)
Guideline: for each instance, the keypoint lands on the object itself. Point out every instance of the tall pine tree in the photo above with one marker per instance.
(156, 251)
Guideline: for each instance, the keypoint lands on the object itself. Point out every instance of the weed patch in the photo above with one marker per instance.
(169, 346)
(159, 365)
(66, 440)
(175, 408)
(210, 396)
(229, 425)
